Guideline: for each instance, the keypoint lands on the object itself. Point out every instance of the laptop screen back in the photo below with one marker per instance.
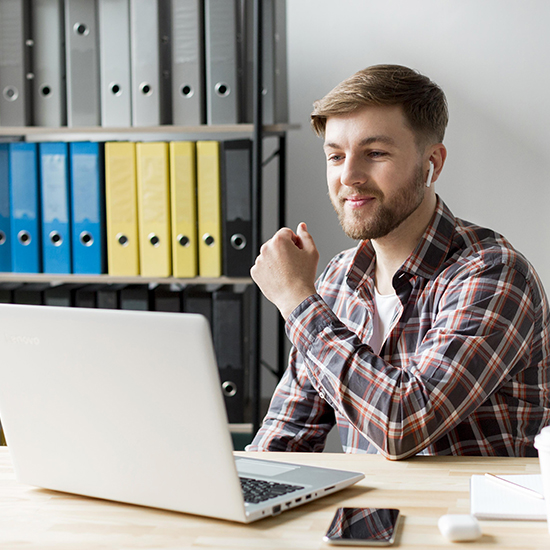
(121, 405)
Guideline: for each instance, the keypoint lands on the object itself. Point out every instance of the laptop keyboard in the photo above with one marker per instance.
(258, 490)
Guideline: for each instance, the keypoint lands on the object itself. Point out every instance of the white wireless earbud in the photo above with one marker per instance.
(430, 174)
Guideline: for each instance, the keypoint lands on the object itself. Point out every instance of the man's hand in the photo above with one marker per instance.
(286, 268)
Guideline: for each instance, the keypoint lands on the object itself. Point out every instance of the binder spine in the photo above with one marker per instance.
(121, 209)
(87, 207)
(49, 83)
(222, 94)
(188, 94)
(114, 51)
(154, 209)
(56, 233)
(183, 198)
(15, 88)
(236, 170)
(82, 62)
(25, 208)
(228, 333)
(209, 208)
(145, 56)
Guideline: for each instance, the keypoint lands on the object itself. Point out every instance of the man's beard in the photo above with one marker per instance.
(386, 216)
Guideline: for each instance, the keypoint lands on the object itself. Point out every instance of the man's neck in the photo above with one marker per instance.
(393, 249)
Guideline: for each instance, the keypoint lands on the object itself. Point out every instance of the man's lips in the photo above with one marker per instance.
(357, 201)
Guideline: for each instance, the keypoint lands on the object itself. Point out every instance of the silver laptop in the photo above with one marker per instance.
(127, 406)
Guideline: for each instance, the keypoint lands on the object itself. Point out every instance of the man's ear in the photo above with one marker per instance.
(437, 156)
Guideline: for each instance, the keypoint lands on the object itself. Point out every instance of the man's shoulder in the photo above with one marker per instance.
(476, 244)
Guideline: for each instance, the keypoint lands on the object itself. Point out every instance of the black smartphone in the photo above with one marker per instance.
(363, 527)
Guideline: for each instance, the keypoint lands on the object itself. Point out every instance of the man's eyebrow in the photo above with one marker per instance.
(366, 141)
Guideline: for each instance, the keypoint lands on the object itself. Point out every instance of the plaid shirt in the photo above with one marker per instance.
(465, 367)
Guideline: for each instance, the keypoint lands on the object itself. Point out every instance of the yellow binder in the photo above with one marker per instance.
(121, 209)
(209, 208)
(183, 195)
(154, 209)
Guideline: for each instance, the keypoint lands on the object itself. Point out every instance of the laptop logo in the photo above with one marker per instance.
(21, 339)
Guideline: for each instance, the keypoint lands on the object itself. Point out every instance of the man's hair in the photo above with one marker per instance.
(423, 102)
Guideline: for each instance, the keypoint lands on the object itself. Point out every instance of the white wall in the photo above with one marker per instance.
(492, 59)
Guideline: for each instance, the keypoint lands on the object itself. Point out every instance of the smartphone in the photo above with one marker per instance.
(363, 527)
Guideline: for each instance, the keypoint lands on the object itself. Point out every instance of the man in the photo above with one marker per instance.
(431, 336)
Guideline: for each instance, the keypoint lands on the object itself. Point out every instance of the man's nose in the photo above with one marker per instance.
(354, 172)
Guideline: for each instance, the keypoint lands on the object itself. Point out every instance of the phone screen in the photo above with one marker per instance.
(363, 526)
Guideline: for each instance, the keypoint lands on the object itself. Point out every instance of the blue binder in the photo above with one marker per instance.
(5, 234)
(56, 219)
(88, 208)
(25, 208)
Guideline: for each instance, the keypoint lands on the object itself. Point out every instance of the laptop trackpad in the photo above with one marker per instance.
(262, 468)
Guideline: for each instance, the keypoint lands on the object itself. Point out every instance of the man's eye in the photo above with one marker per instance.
(377, 154)
(334, 158)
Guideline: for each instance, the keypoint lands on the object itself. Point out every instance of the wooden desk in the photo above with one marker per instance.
(423, 488)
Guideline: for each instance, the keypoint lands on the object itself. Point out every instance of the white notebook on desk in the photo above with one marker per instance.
(489, 500)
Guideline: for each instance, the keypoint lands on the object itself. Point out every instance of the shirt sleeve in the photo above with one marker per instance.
(298, 419)
(480, 334)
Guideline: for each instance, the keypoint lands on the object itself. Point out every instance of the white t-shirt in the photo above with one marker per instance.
(384, 310)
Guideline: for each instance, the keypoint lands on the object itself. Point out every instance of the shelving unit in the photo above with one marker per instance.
(111, 279)
(257, 132)
(121, 133)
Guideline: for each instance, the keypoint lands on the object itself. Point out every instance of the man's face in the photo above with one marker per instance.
(374, 171)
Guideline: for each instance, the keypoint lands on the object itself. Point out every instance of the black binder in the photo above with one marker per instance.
(31, 293)
(168, 298)
(197, 299)
(6, 292)
(236, 193)
(135, 297)
(86, 296)
(229, 344)
(61, 295)
(108, 296)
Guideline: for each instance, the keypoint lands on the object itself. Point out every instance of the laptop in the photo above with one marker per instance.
(127, 406)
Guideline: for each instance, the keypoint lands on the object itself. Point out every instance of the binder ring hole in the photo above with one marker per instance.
(146, 89)
(154, 240)
(229, 388)
(238, 241)
(45, 91)
(81, 29)
(208, 240)
(115, 89)
(55, 238)
(86, 238)
(2, 237)
(183, 240)
(10, 93)
(222, 89)
(122, 239)
(24, 237)
(187, 91)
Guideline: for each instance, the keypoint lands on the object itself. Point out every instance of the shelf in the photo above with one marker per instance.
(42, 132)
(111, 279)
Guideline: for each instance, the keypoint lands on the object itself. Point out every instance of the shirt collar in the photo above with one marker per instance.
(430, 252)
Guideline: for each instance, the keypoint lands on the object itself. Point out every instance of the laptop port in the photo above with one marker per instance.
(308, 497)
(299, 500)
(330, 488)
(276, 509)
